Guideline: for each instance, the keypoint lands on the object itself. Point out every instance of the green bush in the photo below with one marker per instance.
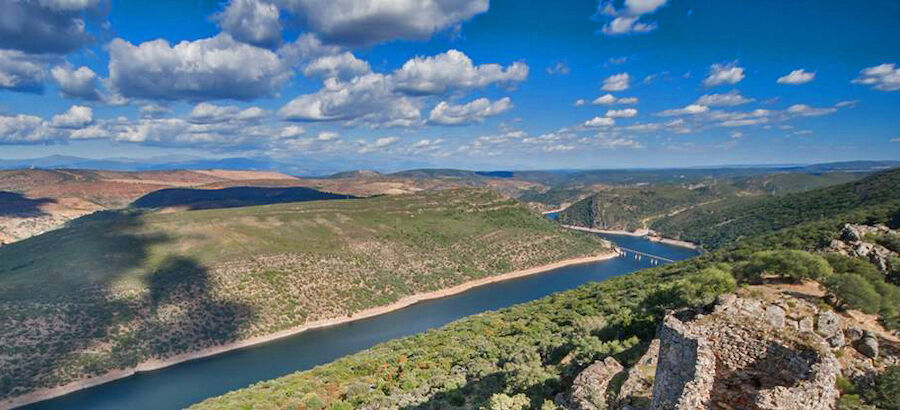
(702, 287)
(885, 394)
(852, 291)
(791, 264)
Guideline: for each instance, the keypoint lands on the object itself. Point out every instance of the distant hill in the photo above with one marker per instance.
(718, 224)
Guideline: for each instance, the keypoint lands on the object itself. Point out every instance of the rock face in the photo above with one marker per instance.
(737, 357)
(589, 388)
(829, 326)
(852, 242)
(638, 386)
(868, 346)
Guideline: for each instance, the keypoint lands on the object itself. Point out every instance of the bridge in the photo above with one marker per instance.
(639, 255)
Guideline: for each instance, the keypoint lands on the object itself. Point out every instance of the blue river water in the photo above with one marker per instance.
(183, 384)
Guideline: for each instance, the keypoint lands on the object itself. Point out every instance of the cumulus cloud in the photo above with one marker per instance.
(77, 116)
(730, 99)
(76, 83)
(251, 21)
(205, 113)
(453, 69)
(473, 112)
(344, 66)
(795, 77)
(609, 99)
(395, 99)
(369, 98)
(612, 142)
(617, 82)
(579, 102)
(23, 129)
(627, 19)
(154, 111)
(47, 26)
(600, 122)
(378, 145)
(213, 68)
(692, 109)
(20, 71)
(724, 74)
(884, 77)
(368, 22)
(624, 113)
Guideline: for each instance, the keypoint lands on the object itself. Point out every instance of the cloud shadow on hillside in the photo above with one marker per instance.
(16, 205)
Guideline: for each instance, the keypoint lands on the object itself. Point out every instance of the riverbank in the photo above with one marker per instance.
(640, 233)
(156, 364)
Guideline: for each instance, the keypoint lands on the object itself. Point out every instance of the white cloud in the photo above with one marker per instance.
(807, 111)
(617, 82)
(23, 129)
(613, 142)
(20, 71)
(579, 102)
(343, 66)
(560, 68)
(453, 70)
(291, 131)
(255, 22)
(724, 74)
(795, 77)
(368, 22)
(624, 113)
(895, 139)
(473, 112)
(327, 136)
(212, 68)
(609, 99)
(884, 77)
(76, 83)
(76, 117)
(692, 109)
(848, 104)
(365, 99)
(627, 19)
(600, 122)
(154, 111)
(627, 24)
(730, 99)
(205, 113)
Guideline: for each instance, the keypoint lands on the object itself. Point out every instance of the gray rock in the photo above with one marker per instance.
(775, 316)
(868, 346)
(806, 324)
(854, 333)
(589, 388)
(829, 323)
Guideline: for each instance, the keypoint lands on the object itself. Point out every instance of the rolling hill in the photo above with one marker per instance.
(118, 288)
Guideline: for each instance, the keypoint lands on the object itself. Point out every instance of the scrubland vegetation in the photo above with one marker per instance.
(117, 288)
(523, 356)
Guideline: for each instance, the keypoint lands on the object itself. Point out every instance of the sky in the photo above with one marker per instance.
(503, 84)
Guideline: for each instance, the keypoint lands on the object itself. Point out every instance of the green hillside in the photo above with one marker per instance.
(718, 224)
(114, 289)
(529, 353)
(639, 206)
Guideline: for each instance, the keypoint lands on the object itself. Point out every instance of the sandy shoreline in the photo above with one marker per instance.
(643, 233)
(155, 364)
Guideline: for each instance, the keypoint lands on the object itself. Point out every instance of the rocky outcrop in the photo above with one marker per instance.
(638, 386)
(742, 355)
(853, 242)
(589, 390)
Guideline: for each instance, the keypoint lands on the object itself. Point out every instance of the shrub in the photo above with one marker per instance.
(885, 394)
(702, 287)
(853, 291)
(790, 264)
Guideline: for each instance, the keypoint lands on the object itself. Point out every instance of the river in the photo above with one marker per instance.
(190, 382)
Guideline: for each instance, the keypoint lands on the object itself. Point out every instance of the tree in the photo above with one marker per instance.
(885, 394)
(852, 290)
(791, 264)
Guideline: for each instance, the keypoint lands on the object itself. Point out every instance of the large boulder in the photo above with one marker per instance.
(589, 388)
(868, 346)
(829, 326)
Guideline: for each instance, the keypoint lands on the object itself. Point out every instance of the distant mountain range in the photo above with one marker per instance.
(307, 167)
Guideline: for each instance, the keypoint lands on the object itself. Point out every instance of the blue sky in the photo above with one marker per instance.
(453, 83)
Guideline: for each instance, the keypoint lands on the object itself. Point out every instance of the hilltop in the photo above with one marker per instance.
(801, 317)
(119, 288)
(33, 201)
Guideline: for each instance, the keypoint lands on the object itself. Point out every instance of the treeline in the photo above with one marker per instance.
(873, 197)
